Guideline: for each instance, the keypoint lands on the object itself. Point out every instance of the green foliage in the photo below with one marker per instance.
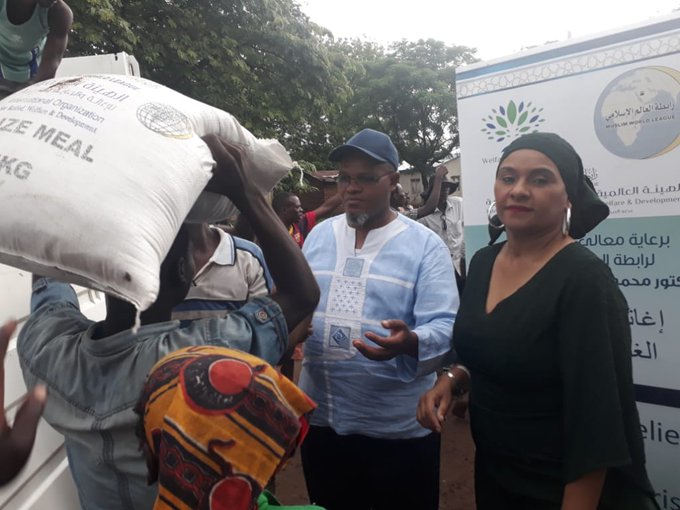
(261, 60)
(283, 76)
(408, 91)
(99, 28)
(297, 181)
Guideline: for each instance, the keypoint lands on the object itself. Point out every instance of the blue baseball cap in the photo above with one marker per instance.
(372, 143)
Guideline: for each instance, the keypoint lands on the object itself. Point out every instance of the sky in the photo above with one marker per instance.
(495, 27)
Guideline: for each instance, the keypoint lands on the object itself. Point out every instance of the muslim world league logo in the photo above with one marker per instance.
(638, 113)
(511, 121)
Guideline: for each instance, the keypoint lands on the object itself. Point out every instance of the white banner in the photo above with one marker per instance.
(616, 99)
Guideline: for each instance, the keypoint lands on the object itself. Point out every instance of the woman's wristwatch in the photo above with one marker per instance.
(458, 389)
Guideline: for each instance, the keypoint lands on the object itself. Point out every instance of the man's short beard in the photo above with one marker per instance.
(357, 220)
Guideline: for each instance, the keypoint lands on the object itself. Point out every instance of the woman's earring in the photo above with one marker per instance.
(494, 220)
(566, 223)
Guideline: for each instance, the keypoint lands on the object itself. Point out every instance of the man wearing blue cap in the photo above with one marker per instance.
(381, 329)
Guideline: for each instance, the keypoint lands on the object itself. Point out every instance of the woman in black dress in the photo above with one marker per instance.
(543, 330)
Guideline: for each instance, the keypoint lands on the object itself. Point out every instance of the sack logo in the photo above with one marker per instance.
(165, 120)
(512, 121)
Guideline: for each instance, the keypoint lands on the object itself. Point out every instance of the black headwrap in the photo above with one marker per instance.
(587, 210)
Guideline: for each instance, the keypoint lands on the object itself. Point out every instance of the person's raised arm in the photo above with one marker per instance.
(328, 206)
(297, 292)
(431, 203)
(59, 19)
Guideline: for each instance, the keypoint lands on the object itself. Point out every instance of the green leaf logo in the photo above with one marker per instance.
(510, 121)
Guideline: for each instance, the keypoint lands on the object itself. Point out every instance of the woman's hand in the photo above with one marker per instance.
(435, 404)
(584, 493)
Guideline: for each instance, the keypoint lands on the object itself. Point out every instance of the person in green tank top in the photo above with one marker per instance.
(33, 38)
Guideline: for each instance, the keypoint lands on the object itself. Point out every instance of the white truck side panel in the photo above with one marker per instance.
(116, 63)
(51, 491)
(38, 477)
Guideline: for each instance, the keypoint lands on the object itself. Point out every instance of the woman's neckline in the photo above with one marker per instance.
(529, 281)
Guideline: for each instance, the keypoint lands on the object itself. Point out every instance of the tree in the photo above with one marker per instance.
(408, 91)
(261, 60)
(283, 76)
(98, 27)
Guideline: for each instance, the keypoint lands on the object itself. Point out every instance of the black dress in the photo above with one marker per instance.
(551, 396)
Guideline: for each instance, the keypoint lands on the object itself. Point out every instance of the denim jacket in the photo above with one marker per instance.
(93, 385)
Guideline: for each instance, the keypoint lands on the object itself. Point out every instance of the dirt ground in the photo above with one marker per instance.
(456, 488)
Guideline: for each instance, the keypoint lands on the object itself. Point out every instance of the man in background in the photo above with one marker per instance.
(447, 222)
(289, 208)
(230, 271)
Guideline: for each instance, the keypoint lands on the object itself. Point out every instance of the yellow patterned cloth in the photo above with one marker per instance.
(219, 423)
